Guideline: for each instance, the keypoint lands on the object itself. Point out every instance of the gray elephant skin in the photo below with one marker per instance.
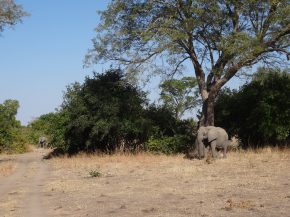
(42, 142)
(213, 137)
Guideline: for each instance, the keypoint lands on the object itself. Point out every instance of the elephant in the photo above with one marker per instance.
(213, 137)
(42, 142)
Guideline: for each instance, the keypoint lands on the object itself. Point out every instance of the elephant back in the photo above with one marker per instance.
(217, 133)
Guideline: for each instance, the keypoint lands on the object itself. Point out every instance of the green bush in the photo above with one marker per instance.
(105, 113)
(52, 126)
(259, 113)
(168, 144)
(12, 139)
(18, 147)
(95, 173)
(108, 114)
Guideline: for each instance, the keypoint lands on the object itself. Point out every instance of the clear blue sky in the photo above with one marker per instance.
(45, 53)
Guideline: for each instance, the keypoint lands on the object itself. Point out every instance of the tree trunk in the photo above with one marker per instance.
(207, 118)
(210, 112)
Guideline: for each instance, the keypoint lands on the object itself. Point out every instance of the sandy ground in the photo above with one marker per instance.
(244, 184)
(22, 179)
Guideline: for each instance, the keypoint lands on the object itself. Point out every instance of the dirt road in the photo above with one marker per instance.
(247, 183)
(22, 193)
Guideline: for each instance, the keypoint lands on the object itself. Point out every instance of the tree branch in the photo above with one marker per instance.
(282, 33)
(177, 66)
(200, 76)
(234, 14)
(267, 22)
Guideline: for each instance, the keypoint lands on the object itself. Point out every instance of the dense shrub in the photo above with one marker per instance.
(108, 114)
(168, 135)
(168, 144)
(52, 126)
(259, 113)
(105, 114)
(11, 137)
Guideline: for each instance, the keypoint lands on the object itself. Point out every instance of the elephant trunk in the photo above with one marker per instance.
(200, 148)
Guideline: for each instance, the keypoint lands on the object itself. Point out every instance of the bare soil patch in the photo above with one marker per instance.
(252, 183)
(21, 188)
(6, 167)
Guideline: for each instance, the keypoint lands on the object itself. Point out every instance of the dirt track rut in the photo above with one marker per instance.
(22, 193)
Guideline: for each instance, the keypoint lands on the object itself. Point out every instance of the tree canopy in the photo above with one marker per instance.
(8, 122)
(218, 37)
(179, 95)
(10, 13)
(104, 114)
(259, 113)
(10, 133)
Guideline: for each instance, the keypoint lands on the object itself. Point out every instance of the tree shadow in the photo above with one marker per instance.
(57, 152)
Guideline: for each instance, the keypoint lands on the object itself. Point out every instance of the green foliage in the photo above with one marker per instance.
(19, 144)
(36, 129)
(52, 126)
(179, 95)
(105, 114)
(8, 123)
(108, 114)
(161, 121)
(11, 138)
(95, 173)
(167, 134)
(219, 39)
(259, 113)
(168, 145)
(10, 13)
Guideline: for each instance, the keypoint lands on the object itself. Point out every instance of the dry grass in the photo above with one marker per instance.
(247, 183)
(30, 147)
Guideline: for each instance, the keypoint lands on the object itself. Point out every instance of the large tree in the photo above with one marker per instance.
(218, 37)
(10, 13)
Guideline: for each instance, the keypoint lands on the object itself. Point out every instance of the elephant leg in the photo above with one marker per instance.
(201, 150)
(213, 149)
(225, 152)
(206, 151)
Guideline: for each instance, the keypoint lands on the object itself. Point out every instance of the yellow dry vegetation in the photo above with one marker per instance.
(246, 183)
